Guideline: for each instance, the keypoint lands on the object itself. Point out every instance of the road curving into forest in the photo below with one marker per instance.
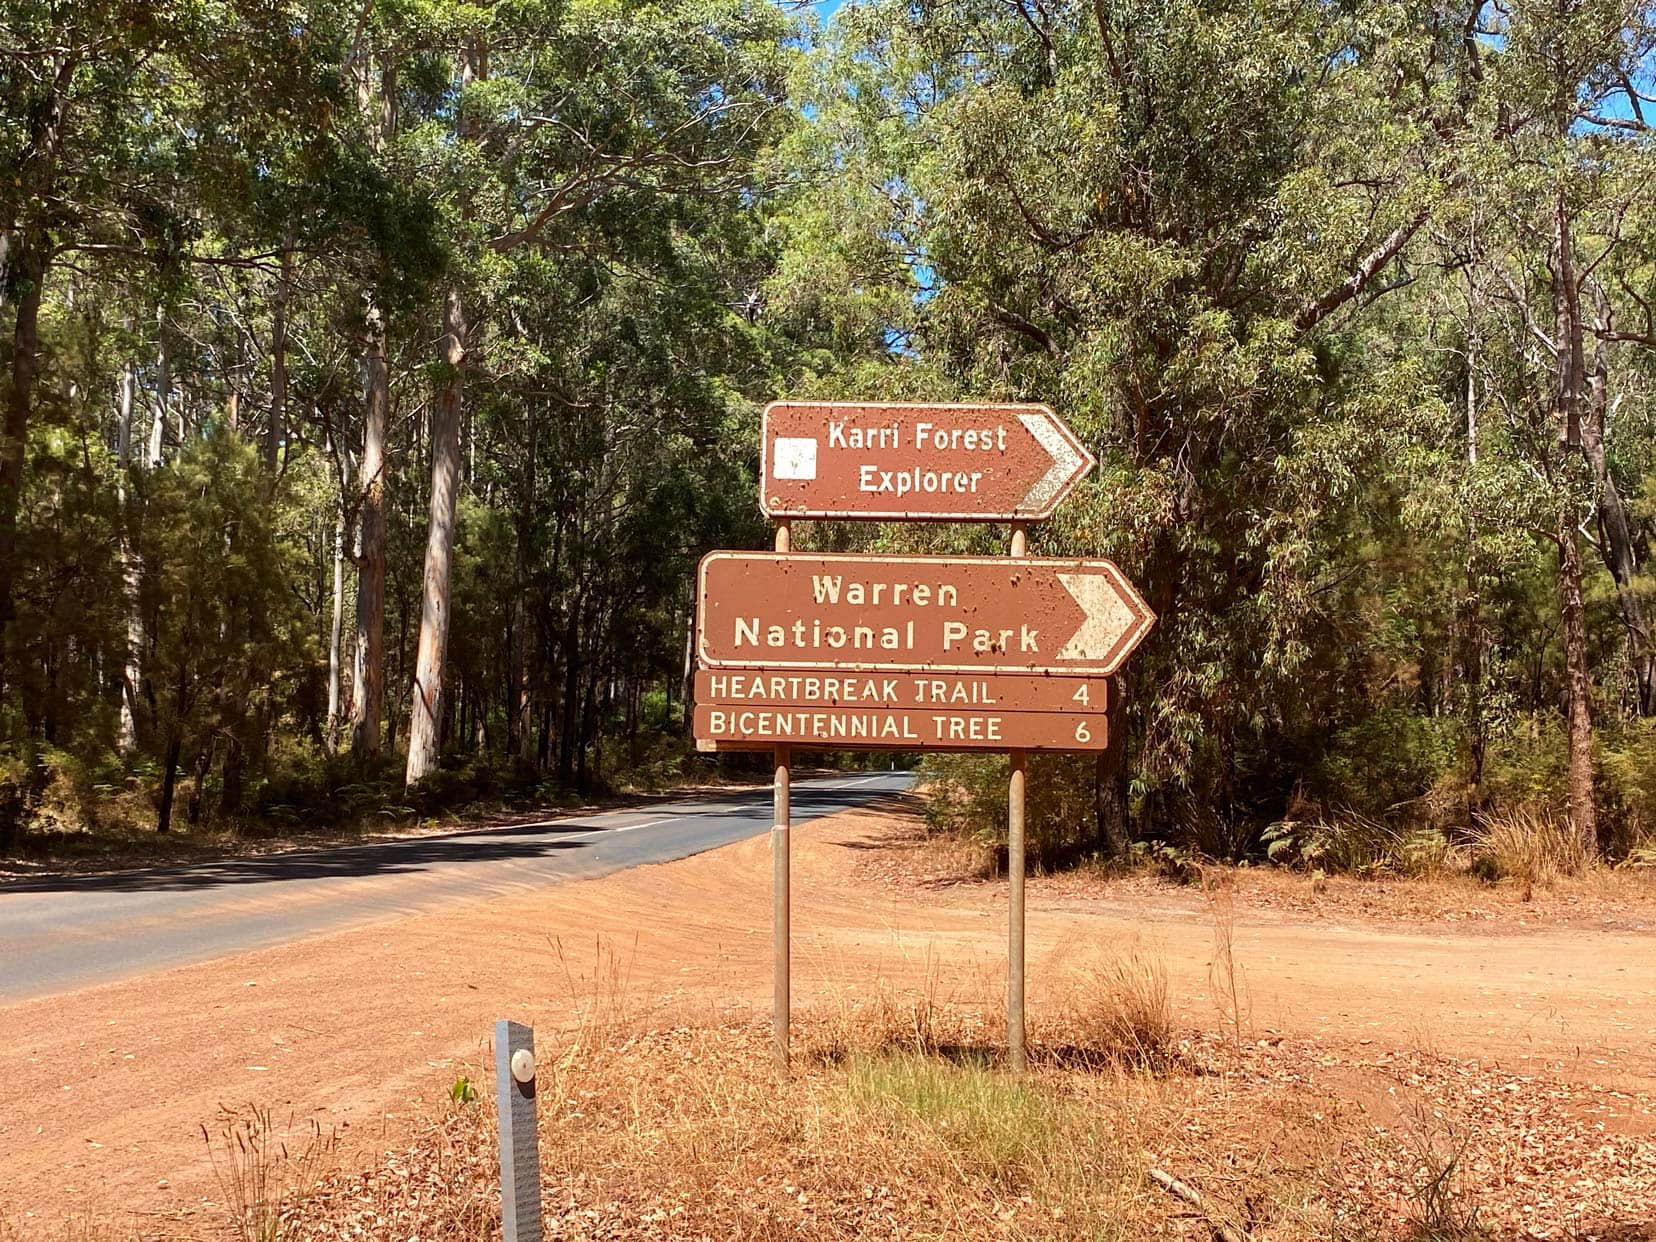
(65, 932)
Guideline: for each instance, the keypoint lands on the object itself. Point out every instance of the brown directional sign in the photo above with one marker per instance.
(959, 463)
(916, 614)
(998, 693)
(735, 726)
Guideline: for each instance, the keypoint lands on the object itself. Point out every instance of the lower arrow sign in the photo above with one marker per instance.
(916, 613)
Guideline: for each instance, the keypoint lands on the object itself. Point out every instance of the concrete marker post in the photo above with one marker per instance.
(781, 916)
(520, 1197)
(1015, 882)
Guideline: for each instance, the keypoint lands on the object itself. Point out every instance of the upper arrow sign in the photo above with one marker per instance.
(958, 463)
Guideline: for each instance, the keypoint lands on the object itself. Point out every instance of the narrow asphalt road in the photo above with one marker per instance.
(66, 932)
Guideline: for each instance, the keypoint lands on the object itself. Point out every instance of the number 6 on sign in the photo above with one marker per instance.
(1081, 733)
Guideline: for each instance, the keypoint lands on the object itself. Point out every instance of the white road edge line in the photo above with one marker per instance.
(649, 823)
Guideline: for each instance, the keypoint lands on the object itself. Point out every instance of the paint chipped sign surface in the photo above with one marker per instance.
(960, 463)
(916, 614)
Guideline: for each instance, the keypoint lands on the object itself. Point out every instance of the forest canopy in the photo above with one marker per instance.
(374, 373)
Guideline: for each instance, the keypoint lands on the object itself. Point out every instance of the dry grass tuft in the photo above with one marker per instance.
(265, 1174)
(603, 1000)
(880, 1017)
(1225, 980)
(1533, 847)
(1442, 1208)
(1120, 1013)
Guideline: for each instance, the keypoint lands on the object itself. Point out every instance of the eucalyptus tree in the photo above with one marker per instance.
(1554, 237)
(565, 119)
(1169, 220)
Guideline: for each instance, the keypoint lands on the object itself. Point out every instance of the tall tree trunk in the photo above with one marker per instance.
(277, 428)
(203, 765)
(569, 722)
(517, 678)
(24, 264)
(425, 724)
(1616, 543)
(424, 729)
(130, 568)
(336, 630)
(368, 682)
(519, 727)
(1578, 688)
(687, 676)
(28, 280)
(1567, 315)
(169, 782)
(162, 396)
(233, 773)
(1110, 789)
(175, 746)
(1475, 637)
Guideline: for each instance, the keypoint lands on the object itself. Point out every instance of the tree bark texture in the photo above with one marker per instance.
(127, 740)
(163, 392)
(277, 427)
(169, 783)
(1110, 802)
(336, 630)
(1567, 315)
(368, 681)
(1578, 688)
(425, 722)
(28, 284)
(1617, 543)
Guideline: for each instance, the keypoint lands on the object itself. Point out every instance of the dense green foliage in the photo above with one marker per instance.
(1353, 301)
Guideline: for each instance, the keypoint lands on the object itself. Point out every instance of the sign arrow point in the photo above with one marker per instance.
(1070, 462)
(1114, 621)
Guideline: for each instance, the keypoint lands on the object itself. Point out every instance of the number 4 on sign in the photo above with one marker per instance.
(1082, 697)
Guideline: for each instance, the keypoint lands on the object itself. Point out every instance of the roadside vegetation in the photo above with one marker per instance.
(901, 1122)
(1518, 833)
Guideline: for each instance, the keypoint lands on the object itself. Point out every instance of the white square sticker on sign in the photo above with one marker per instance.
(796, 458)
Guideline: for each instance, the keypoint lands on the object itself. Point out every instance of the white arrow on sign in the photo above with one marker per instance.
(1069, 461)
(1110, 626)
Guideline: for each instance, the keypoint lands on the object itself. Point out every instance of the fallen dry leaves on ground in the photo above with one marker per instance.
(685, 1133)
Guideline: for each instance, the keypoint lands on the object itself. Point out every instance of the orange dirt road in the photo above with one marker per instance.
(104, 1091)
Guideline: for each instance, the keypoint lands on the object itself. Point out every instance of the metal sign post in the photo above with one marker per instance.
(913, 653)
(780, 931)
(1015, 879)
(781, 884)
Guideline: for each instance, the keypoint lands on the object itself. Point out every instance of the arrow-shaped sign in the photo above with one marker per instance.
(960, 463)
(916, 613)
